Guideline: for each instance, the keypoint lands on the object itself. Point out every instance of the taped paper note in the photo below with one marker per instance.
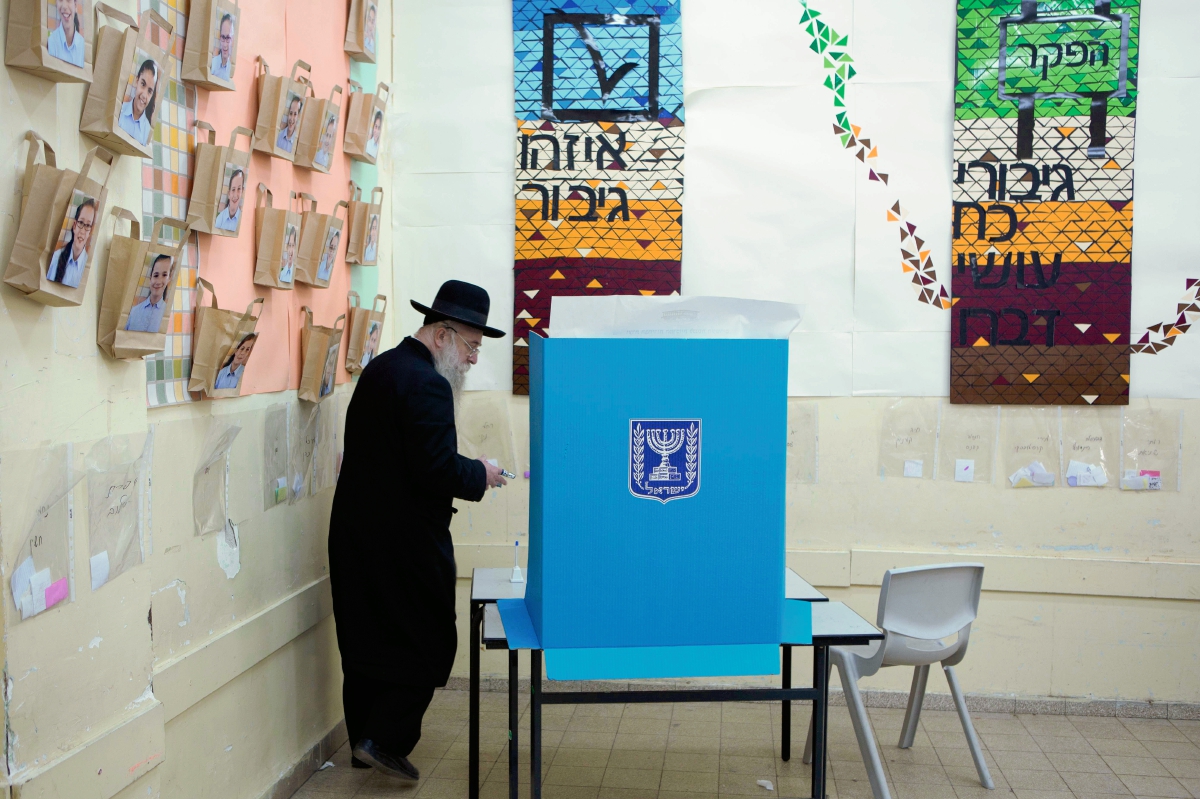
(325, 455)
(275, 456)
(967, 433)
(114, 468)
(1151, 454)
(802, 442)
(909, 438)
(1089, 441)
(622, 316)
(210, 500)
(1029, 437)
(36, 485)
(301, 449)
(229, 550)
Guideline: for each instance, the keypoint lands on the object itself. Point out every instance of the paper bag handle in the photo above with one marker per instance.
(292, 203)
(378, 189)
(262, 64)
(352, 298)
(47, 151)
(341, 204)
(383, 90)
(309, 91)
(341, 319)
(249, 134)
(135, 227)
(354, 189)
(159, 20)
(301, 65)
(355, 86)
(201, 284)
(105, 156)
(249, 314)
(263, 191)
(307, 316)
(311, 199)
(178, 224)
(375, 305)
(212, 132)
(337, 89)
(104, 9)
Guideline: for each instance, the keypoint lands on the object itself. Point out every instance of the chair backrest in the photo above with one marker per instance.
(930, 602)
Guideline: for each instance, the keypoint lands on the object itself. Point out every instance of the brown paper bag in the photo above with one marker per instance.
(320, 240)
(364, 221)
(362, 30)
(220, 177)
(277, 238)
(221, 345)
(280, 109)
(366, 330)
(129, 81)
(32, 168)
(364, 124)
(60, 219)
(318, 133)
(210, 50)
(139, 289)
(37, 39)
(318, 353)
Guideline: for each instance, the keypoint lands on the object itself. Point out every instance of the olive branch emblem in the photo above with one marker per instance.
(639, 454)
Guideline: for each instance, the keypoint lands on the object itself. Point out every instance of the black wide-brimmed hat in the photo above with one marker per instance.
(460, 302)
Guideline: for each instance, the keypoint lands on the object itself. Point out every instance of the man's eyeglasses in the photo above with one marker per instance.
(470, 350)
(225, 38)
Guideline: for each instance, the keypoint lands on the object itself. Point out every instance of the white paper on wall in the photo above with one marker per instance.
(115, 471)
(210, 498)
(229, 550)
(820, 364)
(901, 364)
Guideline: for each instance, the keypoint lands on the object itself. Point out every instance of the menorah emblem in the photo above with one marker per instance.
(677, 443)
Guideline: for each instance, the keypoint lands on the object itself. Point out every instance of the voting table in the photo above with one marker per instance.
(833, 624)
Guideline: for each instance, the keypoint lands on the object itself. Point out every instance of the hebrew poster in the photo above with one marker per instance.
(1043, 201)
(599, 157)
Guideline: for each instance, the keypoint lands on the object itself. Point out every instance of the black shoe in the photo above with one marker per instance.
(366, 751)
(356, 763)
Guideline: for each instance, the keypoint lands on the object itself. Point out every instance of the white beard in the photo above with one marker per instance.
(448, 363)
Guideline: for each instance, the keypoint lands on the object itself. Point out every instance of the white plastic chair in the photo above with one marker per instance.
(918, 607)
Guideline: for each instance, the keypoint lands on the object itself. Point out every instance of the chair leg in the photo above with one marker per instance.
(985, 777)
(916, 696)
(864, 732)
(808, 742)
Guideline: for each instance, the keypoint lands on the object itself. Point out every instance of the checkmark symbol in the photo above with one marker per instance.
(607, 82)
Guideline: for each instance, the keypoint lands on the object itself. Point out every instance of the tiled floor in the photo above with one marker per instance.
(704, 751)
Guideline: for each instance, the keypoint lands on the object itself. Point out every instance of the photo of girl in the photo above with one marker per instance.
(141, 93)
(231, 372)
(222, 63)
(371, 345)
(230, 216)
(369, 28)
(371, 250)
(146, 316)
(69, 261)
(330, 368)
(329, 256)
(65, 25)
(376, 133)
(324, 156)
(291, 236)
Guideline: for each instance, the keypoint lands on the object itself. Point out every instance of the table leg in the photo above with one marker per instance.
(535, 724)
(514, 718)
(820, 719)
(786, 754)
(476, 621)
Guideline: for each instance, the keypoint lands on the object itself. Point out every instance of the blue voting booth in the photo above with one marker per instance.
(657, 509)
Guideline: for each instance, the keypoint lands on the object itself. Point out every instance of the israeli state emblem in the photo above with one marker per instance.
(664, 458)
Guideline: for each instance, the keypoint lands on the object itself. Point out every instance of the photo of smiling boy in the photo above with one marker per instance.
(222, 63)
(289, 124)
(230, 216)
(147, 315)
(288, 267)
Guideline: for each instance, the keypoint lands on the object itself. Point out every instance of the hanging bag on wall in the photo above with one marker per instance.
(139, 289)
(52, 42)
(320, 241)
(129, 83)
(60, 221)
(366, 331)
(222, 342)
(318, 352)
(210, 50)
(277, 238)
(280, 109)
(362, 31)
(219, 184)
(318, 133)
(364, 123)
(364, 220)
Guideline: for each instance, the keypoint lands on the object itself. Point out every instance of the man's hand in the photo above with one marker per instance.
(494, 477)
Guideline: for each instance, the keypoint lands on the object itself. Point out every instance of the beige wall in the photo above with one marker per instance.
(171, 680)
(1087, 592)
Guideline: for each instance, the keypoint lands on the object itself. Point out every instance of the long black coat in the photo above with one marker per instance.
(391, 560)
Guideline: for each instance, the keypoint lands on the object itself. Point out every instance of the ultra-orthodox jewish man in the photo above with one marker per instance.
(391, 560)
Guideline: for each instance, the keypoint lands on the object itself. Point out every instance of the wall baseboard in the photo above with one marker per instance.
(977, 703)
(321, 751)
